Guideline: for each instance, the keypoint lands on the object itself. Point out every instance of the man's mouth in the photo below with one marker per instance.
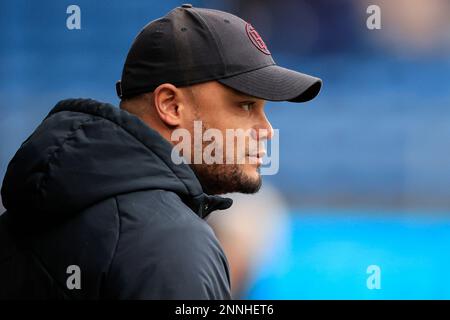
(256, 158)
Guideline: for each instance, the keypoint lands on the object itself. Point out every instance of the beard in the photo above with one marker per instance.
(220, 178)
(225, 178)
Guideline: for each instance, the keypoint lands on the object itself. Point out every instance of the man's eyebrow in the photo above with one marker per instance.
(241, 95)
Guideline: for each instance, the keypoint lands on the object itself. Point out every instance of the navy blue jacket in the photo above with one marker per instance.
(94, 187)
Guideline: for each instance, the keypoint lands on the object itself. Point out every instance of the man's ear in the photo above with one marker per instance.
(167, 100)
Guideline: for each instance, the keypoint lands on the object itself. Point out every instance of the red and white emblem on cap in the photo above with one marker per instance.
(256, 39)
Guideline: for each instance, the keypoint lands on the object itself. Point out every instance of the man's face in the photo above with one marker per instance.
(222, 108)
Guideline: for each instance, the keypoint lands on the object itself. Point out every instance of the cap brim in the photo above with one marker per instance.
(275, 83)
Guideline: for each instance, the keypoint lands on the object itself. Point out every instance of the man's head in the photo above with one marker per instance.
(208, 72)
(218, 107)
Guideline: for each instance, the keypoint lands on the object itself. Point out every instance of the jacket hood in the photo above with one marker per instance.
(84, 152)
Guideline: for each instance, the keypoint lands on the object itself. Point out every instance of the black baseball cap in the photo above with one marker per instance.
(194, 45)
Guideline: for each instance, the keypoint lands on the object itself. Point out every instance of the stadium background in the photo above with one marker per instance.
(364, 169)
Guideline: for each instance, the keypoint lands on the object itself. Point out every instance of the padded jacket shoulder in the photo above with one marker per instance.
(97, 209)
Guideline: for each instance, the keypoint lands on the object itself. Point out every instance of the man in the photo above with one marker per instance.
(96, 205)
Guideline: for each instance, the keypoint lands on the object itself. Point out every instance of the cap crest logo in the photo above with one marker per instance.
(256, 39)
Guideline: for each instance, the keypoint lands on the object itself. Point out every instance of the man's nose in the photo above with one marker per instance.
(263, 129)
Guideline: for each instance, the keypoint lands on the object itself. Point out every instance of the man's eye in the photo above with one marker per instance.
(247, 106)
